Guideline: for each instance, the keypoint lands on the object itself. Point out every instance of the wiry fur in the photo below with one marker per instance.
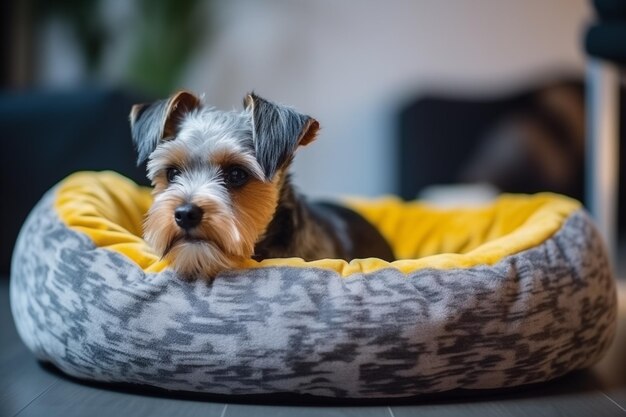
(263, 218)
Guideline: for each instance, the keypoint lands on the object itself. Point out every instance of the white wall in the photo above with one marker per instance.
(351, 64)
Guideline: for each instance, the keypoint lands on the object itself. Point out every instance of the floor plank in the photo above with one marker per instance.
(275, 411)
(21, 381)
(71, 399)
(21, 378)
(611, 370)
(590, 404)
(617, 396)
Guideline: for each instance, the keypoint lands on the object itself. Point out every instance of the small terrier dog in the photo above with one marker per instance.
(222, 192)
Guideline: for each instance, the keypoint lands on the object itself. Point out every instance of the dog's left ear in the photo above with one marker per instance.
(277, 131)
(150, 123)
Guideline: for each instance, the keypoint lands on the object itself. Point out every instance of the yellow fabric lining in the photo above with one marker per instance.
(110, 209)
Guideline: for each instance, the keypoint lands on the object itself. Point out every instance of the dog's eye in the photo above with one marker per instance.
(172, 173)
(236, 176)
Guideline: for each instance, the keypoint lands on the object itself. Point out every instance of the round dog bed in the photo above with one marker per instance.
(516, 292)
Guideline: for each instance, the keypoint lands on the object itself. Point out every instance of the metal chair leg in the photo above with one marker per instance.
(603, 148)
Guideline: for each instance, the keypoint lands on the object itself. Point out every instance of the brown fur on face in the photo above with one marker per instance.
(230, 226)
(254, 207)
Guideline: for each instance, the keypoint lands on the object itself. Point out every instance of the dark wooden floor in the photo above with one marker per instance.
(30, 389)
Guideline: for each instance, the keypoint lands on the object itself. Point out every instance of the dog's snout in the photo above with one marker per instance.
(188, 216)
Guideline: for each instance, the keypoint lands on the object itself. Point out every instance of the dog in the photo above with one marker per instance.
(222, 188)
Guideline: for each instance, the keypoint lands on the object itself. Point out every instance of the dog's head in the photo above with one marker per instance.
(216, 176)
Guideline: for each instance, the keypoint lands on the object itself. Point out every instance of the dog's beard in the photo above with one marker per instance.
(194, 259)
(214, 245)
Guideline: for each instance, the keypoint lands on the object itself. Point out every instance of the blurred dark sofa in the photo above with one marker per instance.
(526, 141)
(48, 135)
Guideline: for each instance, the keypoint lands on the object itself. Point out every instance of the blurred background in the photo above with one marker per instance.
(409, 94)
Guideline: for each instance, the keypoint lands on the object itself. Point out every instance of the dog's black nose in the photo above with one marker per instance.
(188, 216)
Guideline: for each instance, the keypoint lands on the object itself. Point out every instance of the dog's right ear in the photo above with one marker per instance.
(277, 131)
(153, 122)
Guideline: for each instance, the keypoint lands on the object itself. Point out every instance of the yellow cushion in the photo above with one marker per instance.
(110, 210)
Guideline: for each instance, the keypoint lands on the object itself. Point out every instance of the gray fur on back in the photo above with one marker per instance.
(96, 315)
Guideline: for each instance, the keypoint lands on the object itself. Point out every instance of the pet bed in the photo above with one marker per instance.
(516, 292)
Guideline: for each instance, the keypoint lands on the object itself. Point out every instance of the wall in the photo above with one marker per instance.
(351, 64)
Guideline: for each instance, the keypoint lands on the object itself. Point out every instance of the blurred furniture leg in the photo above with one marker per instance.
(605, 43)
(603, 147)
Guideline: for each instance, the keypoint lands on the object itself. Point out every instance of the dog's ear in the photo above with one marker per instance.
(150, 123)
(277, 131)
